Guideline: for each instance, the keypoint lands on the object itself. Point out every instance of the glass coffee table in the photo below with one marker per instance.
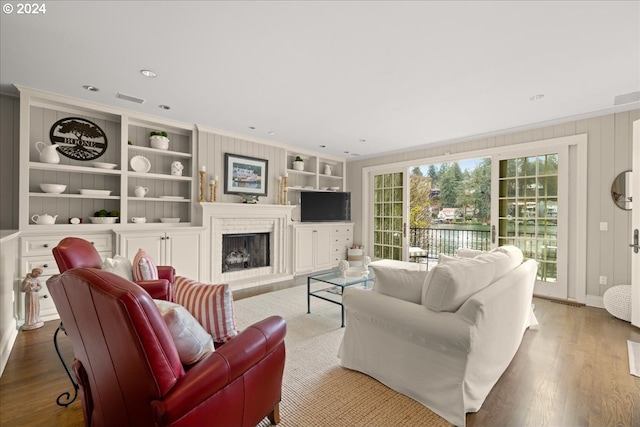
(332, 286)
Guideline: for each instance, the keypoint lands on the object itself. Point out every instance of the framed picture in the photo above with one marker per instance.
(245, 175)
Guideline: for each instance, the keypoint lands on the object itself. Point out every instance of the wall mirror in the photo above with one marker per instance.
(621, 190)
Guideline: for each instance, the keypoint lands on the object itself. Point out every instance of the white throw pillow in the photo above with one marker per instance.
(118, 265)
(468, 253)
(446, 258)
(453, 282)
(400, 283)
(504, 260)
(192, 341)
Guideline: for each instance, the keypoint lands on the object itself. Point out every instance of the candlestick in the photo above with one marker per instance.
(279, 190)
(212, 191)
(203, 168)
(203, 178)
(286, 189)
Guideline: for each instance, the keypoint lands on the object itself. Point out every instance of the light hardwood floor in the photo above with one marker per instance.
(571, 371)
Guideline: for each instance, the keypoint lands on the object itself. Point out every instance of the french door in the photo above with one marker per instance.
(389, 233)
(532, 212)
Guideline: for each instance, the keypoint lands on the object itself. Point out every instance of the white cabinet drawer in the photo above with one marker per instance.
(46, 263)
(341, 240)
(43, 244)
(342, 229)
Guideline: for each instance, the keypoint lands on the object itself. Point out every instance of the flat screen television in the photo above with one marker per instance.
(325, 206)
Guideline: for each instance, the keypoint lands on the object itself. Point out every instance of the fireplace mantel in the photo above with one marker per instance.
(230, 218)
(248, 210)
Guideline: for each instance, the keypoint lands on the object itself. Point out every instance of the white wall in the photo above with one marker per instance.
(609, 153)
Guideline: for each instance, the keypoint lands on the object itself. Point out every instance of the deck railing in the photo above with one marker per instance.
(435, 241)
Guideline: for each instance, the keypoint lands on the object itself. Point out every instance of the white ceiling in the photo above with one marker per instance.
(397, 74)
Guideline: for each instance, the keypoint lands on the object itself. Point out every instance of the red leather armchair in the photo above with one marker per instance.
(73, 252)
(128, 367)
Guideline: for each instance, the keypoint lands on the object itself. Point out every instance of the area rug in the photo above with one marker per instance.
(317, 391)
(634, 358)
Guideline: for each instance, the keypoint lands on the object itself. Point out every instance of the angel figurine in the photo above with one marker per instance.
(31, 286)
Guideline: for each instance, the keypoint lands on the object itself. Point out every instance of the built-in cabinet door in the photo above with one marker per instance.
(183, 253)
(304, 249)
(322, 246)
(152, 243)
(179, 249)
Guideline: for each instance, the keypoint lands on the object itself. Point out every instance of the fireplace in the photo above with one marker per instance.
(242, 263)
(245, 251)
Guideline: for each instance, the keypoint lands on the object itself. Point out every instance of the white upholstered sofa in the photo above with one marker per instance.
(442, 337)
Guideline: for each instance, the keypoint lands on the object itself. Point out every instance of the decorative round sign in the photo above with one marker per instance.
(78, 138)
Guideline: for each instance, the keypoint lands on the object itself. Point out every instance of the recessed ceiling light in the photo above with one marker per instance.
(252, 127)
(91, 88)
(271, 132)
(322, 146)
(536, 97)
(346, 152)
(164, 107)
(362, 140)
(149, 73)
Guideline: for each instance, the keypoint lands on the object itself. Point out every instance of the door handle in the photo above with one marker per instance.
(493, 234)
(404, 230)
(635, 245)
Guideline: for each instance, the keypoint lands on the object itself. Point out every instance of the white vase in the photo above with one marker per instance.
(298, 165)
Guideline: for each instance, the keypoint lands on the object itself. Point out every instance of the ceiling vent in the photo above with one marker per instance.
(130, 98)
(627, 98)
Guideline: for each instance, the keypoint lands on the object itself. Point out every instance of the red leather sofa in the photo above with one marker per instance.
(129, 371)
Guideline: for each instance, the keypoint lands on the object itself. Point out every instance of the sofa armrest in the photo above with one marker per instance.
(220, 368)
(441, 331)
(167, 272)
(157, 289)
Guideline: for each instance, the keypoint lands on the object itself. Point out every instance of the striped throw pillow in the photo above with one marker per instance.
(144, 268)
(211, 305)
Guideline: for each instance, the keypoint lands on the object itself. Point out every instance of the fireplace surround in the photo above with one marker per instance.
(242, 219)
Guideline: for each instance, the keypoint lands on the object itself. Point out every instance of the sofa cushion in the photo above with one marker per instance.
(192, 341)
(144, 267)
(451, 283)
(211, 305)
(400, 283)
(118, 265)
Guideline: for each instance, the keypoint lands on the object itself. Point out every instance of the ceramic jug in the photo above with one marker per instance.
(44, 219)
(328, 169)
(140, 191)
(48, 153)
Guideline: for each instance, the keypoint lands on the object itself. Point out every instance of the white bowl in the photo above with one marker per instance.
(334, 188)
(169, 219)
(103, 219)
(103, 165)
(53, 188)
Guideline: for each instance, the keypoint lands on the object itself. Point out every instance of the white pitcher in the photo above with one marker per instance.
(48, 153)
(141, 191)
(328, 170)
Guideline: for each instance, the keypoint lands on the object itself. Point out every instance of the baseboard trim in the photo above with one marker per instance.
(595, 301)
(8, 339)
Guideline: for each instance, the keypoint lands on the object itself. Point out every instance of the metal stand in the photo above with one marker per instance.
(65, 395)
